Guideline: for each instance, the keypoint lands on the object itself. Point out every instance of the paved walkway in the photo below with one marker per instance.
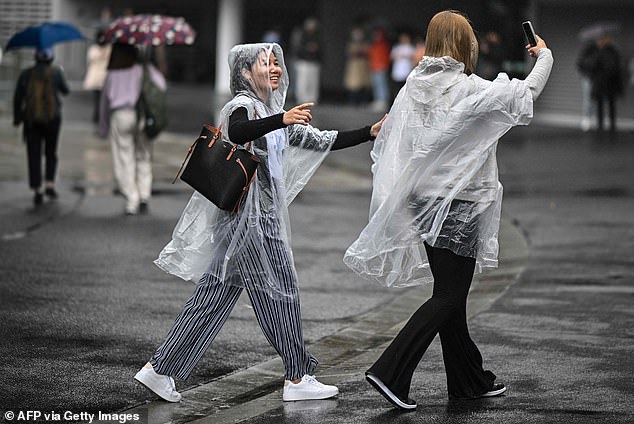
(344, 356)
(553, 321)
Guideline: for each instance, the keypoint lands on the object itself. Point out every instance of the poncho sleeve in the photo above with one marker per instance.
(308, 147)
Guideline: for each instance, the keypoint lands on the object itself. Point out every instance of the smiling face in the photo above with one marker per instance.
(258, 70)
(266, 72)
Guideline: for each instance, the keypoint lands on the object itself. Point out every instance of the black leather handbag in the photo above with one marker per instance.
(219, 170)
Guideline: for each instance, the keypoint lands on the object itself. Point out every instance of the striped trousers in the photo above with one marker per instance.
(208, 308)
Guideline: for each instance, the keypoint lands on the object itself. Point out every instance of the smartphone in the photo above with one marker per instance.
(530, 33)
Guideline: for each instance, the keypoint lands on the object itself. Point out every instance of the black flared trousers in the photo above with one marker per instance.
(445, 313)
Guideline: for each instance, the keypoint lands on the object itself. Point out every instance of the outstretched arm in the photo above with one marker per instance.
(242, 130)
(538, 77)
(352, 138)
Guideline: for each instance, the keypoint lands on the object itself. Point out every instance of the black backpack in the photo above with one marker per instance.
(151, 106)
(40, 105)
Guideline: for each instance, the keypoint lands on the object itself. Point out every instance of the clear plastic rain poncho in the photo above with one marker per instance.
(217, 244)
(435, 172)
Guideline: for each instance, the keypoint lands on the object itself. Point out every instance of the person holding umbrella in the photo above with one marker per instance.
(119, 120)
(36, 101)
(37, 105)
(119, 116)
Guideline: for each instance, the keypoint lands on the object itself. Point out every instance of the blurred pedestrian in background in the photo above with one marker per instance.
(419, 50)
(119, 120)
(402, 56)
(436, 185)
(308, 63)
(585, 63)
(491, 55)
(379, 58)
(272, 35)
(97, 59)
(356, 76)
(105, 17)
(250, 250)
(37, 105)
(606, 74)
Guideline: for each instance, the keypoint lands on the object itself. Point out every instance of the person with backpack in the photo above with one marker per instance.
(123, 121)
(37, 105)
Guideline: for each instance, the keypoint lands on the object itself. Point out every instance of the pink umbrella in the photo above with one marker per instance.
(149, 30)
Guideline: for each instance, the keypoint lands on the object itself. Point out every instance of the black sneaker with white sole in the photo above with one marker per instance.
(407, 404)
(497, 390)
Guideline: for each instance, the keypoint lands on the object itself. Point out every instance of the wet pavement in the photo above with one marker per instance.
(82, 306)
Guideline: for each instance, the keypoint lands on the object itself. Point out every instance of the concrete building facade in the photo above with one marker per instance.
(223, 23)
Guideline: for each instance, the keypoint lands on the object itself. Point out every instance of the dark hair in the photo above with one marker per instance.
(44, 55)
(122, 56)
(238, 82)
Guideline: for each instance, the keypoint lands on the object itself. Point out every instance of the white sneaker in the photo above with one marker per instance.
(162, 385)
(308, 389)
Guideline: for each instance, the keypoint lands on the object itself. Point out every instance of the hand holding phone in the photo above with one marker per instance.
(530, 33)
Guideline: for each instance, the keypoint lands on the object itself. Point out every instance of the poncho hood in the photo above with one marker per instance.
(242, 57)
(432, 76)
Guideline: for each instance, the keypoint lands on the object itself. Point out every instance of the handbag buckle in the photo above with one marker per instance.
(233, 149)
(213, 140)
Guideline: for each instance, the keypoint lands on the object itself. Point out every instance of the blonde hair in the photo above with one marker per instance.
(450, 33)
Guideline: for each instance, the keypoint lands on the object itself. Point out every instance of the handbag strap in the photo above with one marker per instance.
(245, 189)
(249, 146)
(191, 149)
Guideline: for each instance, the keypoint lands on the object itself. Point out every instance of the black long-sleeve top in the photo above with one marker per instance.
(243, 130)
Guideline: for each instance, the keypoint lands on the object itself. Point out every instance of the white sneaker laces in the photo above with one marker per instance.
(312, 380)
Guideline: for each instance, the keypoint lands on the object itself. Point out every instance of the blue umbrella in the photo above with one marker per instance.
(44, 35)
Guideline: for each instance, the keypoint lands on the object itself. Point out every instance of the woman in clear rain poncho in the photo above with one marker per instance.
(436, 186)
(250, 250)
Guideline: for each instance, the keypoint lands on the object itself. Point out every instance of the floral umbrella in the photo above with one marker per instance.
(149, 30)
